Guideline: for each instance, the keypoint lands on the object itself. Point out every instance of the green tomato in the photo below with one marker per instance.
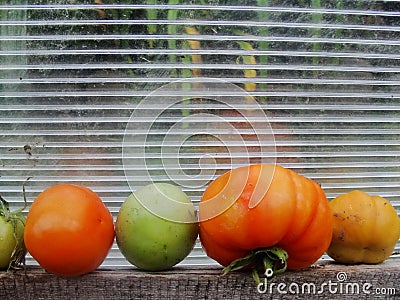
(156, 227)
(11, 240)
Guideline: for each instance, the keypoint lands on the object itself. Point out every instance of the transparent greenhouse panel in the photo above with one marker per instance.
(324, 74)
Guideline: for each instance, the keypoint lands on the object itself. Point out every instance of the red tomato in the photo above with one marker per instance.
(264, 206)
(69, 230)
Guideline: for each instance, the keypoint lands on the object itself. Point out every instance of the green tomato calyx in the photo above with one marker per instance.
(270, 261)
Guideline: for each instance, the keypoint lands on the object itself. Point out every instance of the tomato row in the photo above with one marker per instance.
(258, 217)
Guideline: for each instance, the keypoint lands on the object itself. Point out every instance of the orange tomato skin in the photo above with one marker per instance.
(292, 213)
(69, 230)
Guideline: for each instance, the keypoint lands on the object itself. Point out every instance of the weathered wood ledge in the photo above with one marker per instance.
(326, 280)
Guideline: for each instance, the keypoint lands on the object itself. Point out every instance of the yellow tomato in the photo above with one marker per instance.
(365, 228)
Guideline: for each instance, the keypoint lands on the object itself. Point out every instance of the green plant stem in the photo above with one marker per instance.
(263, 45)
(172, 30)
(151, 14)
(316, 19)
(186, 73)
(338, 32)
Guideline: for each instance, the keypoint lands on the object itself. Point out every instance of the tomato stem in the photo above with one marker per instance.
(270, 261)
(4, 209)
(24, 196)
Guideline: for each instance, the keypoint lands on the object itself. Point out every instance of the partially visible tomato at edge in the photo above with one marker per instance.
(12, 249)
(69, 230)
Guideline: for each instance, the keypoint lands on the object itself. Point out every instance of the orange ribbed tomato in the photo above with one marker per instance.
(254, 212)
(365, 228)
(69, 230)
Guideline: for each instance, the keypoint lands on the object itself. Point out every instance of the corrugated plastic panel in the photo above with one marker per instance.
(325, 77)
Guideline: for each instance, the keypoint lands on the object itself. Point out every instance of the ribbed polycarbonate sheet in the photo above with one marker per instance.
(318, 82)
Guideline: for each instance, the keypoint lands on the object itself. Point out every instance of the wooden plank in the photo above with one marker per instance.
(326, 280)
